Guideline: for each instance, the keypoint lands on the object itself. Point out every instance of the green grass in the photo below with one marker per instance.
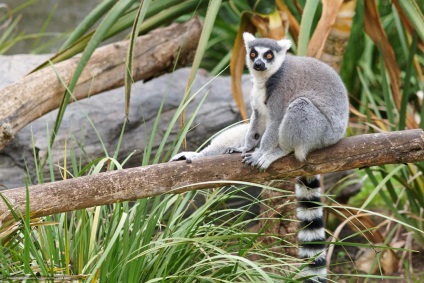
(162, 239)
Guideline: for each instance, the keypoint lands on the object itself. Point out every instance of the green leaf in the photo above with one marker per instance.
(94, 42)
(306, 26)
(134, 33)
(388, 101)
(88, 22)
(407, 83)
(380, 185)
(111, 243)
(414, 14)
(262, 6)
(211, 14)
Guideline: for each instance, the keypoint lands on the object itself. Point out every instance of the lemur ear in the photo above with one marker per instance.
(248, 37)
(285, 44)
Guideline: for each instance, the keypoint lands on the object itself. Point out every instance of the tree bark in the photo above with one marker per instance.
(160, 51)
(177, 177)
(278, 217)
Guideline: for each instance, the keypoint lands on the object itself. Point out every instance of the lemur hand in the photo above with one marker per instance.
(241, 149)
(253, 158)
(188, 156)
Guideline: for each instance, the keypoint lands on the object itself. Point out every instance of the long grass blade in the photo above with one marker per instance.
(111, 243)
(45, 24)
(135, 31)
(104, 26)
(388, 102)
(381, 184)
(95, 15)
(306, 26)
(375, 30)
(407, 83)
(27, 235)
(414, 14)
(211, 14)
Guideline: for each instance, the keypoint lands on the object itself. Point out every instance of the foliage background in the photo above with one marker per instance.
(381, 64)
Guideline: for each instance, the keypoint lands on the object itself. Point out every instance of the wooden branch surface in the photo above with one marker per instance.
(176, 177)
(42, 91)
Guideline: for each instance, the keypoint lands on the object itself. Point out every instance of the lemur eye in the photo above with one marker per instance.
(268, 56)
(252, 55)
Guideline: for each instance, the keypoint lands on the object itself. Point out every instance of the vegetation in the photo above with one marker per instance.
(174, 239)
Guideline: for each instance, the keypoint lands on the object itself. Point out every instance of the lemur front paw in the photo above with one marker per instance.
(252, 158)
(242, 149)
(188, 156)
(232, 150)
(263, 163)
(257, 159)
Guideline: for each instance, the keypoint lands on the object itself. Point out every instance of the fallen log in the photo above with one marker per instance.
(177, 177)
(158, 52)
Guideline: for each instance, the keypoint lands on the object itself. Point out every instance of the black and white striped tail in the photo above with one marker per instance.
(311, 217)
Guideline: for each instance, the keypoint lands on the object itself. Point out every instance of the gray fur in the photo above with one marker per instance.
(265, 43)
(306, 107)
(223, 143)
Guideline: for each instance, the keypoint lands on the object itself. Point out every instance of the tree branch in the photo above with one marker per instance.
(177, 177)
(42, 91)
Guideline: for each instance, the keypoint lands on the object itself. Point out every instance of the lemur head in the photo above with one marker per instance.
(264, 55)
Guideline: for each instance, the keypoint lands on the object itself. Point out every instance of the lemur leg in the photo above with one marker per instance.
(253, 135)
(304, 128)
(269, 144)
(266, 159)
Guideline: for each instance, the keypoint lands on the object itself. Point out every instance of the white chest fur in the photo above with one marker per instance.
(257, 98)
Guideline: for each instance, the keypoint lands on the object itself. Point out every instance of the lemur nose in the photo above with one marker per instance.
(259, 65)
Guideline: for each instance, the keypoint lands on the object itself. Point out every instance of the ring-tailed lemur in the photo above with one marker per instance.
(299, 104)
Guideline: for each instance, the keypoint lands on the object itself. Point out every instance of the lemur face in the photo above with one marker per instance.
(265, 55)
(261, 58)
